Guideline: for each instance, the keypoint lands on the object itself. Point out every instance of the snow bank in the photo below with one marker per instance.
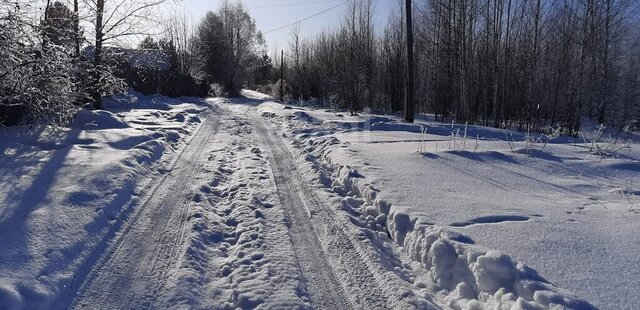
(97, 120)
(150, 151)
(136, 100)
(64, 192)
(255, 95)
(304, 116)
(468, 274)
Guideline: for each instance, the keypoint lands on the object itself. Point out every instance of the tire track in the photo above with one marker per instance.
(323, 287)
(369, 283)
(134, 269)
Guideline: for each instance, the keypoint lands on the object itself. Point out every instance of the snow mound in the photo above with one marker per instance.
(97, 120)
(471, 273)
(67, 190)
(9, 297)
(149, 152)
(464, 275)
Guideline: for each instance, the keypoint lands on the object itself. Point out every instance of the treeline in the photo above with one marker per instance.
(56, 59)
(223, 53)
(524, 64)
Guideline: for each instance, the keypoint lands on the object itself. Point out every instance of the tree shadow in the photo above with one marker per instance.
(13, 222)
(103, 227)
(485, 156)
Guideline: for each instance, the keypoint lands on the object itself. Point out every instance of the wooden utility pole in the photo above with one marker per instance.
(409, 104)
(282, 76)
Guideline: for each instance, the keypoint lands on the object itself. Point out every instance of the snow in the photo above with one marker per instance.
(65, 189)
(97, 120)
(470, 212)
(238, 254)
(247, 203)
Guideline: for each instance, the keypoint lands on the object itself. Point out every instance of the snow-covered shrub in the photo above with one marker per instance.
(535, 143)
(217, 90)
(423, 135)
(37, 81)
(609, 146)
(509, 139)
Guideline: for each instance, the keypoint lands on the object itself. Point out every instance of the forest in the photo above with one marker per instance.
(534, 65)
(529, 65)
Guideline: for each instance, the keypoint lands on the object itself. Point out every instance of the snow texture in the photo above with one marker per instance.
(65, 190)
(455, 212)
(247, 203)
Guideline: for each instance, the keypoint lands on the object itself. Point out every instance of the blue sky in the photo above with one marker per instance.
(272, 14)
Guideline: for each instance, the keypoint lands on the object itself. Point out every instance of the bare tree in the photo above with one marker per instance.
(114, 21)
(519, 64)
(180, 32)
(230, 46)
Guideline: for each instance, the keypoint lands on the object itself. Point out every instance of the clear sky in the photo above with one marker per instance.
(272, 14)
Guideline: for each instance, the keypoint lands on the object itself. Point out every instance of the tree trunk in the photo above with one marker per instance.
(76, 28)
(97, 60)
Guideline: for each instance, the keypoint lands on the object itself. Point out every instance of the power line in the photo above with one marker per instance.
(291, 4)
(307, 18)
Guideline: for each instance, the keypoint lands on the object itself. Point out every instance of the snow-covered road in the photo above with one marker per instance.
(260, 206)
(138, 262)
(235, 172)
(322, 285)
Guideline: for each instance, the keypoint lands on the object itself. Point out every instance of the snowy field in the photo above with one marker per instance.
(453, 203)
(249, 204)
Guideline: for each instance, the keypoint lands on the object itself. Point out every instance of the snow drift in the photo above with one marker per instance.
(67, 190)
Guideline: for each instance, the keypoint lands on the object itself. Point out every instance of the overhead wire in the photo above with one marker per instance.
(291, 4)
(307, 18)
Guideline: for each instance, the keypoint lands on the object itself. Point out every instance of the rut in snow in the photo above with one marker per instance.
(238, 254)
(134, 268)
(310, 219)
(323, 286)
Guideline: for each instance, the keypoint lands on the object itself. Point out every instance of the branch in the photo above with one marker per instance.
(124, 34)
(18, 66)
(115, 10)
(132, 13)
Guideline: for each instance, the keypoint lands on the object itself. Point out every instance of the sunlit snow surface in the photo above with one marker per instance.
(63, 190)
(437, 221)
(471, 212)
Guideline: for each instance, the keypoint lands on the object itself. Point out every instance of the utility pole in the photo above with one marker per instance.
(282, 76)
(409, 104)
